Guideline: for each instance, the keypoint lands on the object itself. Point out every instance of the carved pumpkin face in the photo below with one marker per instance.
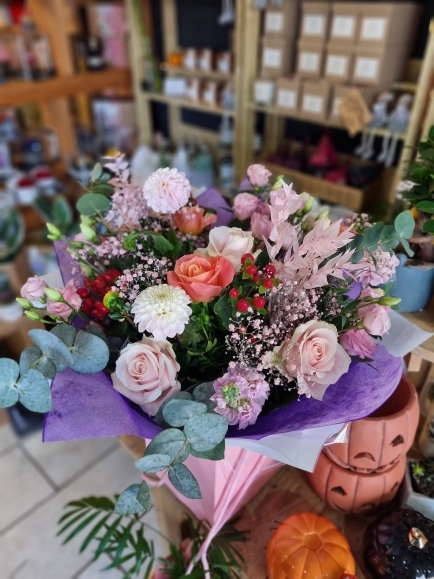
(307, 546)
(378, 442)
(352, 492)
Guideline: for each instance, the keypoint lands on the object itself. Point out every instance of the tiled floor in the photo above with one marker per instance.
(36, 481)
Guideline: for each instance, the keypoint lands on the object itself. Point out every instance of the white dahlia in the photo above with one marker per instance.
(162, 311)
(167, 190)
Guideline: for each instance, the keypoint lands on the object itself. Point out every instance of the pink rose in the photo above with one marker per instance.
(229, 242)
(314, 357)
(258, 175)
(358, 343)
(261, 226)
(33, 289)
(245, 205)
(63, 309)
(146, 373)
(202, 278)
(375, 319)
(286, 200)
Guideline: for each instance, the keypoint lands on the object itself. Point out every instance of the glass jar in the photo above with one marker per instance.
(11, 227)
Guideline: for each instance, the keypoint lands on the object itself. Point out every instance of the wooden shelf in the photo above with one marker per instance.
(206, 74)
(299, 117)
(183, 103)
(20, 92)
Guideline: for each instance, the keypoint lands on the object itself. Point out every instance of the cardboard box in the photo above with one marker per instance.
(315, 21)
(315, 97)
(387, 23)
(338, 92)
(338, 65)
(288, 92)
(378, 67)
(282, 21)
(310, 59)
(345, 23)
(264, 91)
(277, 57)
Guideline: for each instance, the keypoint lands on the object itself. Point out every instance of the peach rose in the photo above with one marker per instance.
(375, 319)
(193, 220)
(258, 175)
(146, 373)
(245, 205)
(314, 357)
(229, 242)
(33, 289)
(202, 278)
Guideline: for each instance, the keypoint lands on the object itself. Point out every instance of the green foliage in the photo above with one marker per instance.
(56, 211)
(184, 481)
(90, 353)
(205, 431)
(127, 503)
(224, 309)
(93, 204)
(178, 412)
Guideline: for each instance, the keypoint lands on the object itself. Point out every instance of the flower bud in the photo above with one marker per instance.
(88, 232)
(33, 316)
(86, 269)
(26, 304)
(111, 300)
(389, 301)
(55, 231)
(322, 215)
(87, 220)
(308, 205)
(279, 183)
(53, 294)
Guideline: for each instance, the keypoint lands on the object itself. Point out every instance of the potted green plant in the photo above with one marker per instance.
(418, 487)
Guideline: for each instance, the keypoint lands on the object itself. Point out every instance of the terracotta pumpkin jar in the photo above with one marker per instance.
(354, 492)
(378, 442)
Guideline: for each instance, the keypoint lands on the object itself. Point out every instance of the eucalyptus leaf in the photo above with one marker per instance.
(406, 246)
(62, 213)
(127, 503)
(9, 373)
(217, 453)
(184, 481)
(34, 391)
(96, 172)
(177, 412)
(32, 357)
(404, 224)
(103, 189)
(203, 392)
(97, 332)
(52, 347)
(93, 203)
(205, 431)
(144, 496)
(158, 418)
(66, 333)
(90, 353)
(372, 236)
(389, 238)
(172, 442)
(153, 463)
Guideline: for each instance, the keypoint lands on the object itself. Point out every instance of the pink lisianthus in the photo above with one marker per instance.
(63, 309)
(258, 175)
(314, 357)
(167, 190)
(286, 200)
(372, 292)
(358, 343)
(33, 289)
(261, 226)
(245, 205)
(375, 319)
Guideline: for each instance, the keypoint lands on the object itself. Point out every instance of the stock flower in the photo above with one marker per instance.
(146, 373)
(70, 297)
(314, 357)
(240, 395)
(193, 220)
(375, 318)
(202, 278)
(33, 289)
(167, 190)
(358, 343)
(229, 242)
(245, 205)
(162, 310)
(258, 175)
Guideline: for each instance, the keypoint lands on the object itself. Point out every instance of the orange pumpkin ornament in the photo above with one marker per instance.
(307, 546)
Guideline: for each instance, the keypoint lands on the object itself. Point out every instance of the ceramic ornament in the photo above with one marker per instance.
(396, 125)
(380, 117)
(228, 13)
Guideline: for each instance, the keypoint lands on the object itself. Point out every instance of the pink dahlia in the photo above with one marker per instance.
(167, 190)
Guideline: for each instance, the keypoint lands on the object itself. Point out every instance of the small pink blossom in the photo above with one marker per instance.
(372, 292)
(245, 205)
(358, 343)
(377, 269)
(261, 226)
(33, 289)
(286, 201)
(62, 309)
(258, 175)
(167, 190)
(375, 318)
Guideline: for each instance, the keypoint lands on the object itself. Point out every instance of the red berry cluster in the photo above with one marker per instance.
(94, 291)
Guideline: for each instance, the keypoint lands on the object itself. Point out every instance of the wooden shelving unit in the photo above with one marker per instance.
(184, 103)
(206, 74)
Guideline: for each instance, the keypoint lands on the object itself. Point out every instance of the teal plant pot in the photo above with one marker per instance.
(414, 281)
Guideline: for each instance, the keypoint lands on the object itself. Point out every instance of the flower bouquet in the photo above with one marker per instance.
(193, 336)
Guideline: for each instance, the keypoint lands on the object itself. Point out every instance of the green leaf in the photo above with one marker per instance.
(66, 333)
(191, 336)
(223, 309)
(90, 353)
(203, 392)
(32, 357)
(9, 372)
(406, 246)
(93, 533)
(106, 538)
(371, 237)
(158, 418)
(425, 206)
(162, 245)
(103, 189)
(204, 432)
(92, 203)
(97, 332)
(428, 226)
(52, 347)
(171, 442)
(96, 172)
(389, 238)
(34, 391)
(217, 453)
(144, 496)
(404, 224)
(184, 481)
(153, 463)
(177, 412)
(61, 213)
(127, 503)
